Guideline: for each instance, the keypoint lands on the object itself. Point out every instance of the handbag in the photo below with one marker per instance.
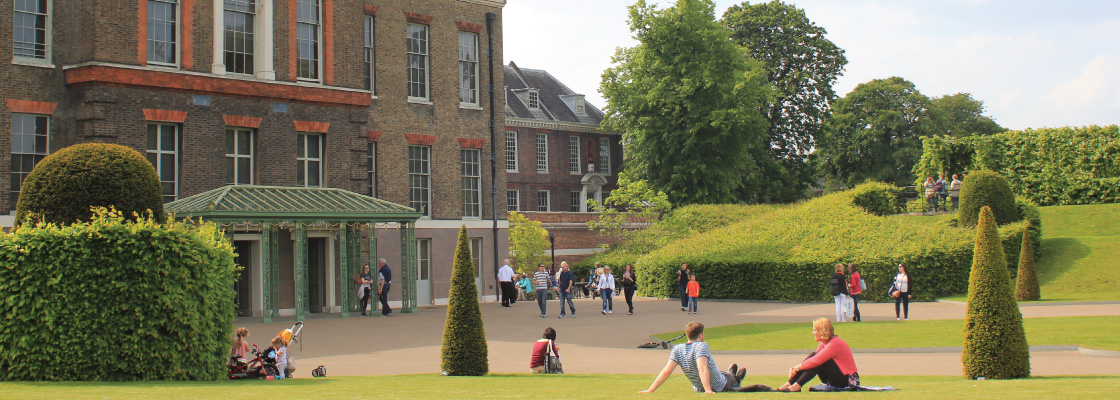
(848, 307)
(552, 363)
(357, 279)
(893, 292)
(862, 284)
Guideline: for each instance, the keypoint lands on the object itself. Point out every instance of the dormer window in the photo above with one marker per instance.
(581, 107)
(534, 99)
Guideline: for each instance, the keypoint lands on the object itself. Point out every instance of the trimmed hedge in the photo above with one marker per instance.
(995, 345)
(64, 185)
(788, 254)
(987, 189)
(875, 197)
(113, 300)
(464, 348)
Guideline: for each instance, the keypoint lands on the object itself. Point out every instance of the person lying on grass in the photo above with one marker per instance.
(832, 361)
(698, 365)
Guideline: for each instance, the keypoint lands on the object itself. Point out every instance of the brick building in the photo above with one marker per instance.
(557, 157)
(387, 98)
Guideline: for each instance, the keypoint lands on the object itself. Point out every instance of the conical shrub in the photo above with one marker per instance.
(464, 341)
(1026, 287)
(995, 345)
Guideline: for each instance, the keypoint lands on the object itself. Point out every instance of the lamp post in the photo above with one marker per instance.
(552, 243)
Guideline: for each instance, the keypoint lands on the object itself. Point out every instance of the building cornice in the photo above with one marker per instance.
(556, 125)
(491, 3)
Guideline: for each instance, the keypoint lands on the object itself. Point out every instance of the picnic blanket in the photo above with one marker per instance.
(826, 388)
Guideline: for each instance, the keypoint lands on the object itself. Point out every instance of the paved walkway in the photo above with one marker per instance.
(594, 343)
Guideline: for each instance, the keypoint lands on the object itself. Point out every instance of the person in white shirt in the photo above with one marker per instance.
(955, 191)
(606, 290)
(505, 281)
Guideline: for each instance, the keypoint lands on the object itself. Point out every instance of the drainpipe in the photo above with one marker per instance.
(490, 17)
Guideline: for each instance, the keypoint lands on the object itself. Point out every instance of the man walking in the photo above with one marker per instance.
(682, 282)
(544, 283)
(384, 281)
(505, 281)
(566, 281)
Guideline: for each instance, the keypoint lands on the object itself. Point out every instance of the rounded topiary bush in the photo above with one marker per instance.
(874, 197)
(64, 185)
(987, 189)
(464, 351)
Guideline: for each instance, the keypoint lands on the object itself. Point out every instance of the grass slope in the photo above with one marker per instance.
(520, 386)
(1092, 332)
(1080, 245)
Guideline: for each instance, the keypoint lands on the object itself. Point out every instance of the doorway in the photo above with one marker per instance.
(243, 286)
(424, 271)
(316, 274)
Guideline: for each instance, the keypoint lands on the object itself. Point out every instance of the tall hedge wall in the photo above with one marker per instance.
(1050, 166)
(788, 254)
(110, 300)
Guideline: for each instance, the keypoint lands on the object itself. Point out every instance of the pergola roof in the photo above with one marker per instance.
(246, 202)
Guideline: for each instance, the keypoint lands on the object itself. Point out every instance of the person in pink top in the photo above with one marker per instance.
(854, 289)
(832, 362)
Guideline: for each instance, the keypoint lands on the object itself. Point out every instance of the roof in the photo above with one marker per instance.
(288, 203)
(557, 100)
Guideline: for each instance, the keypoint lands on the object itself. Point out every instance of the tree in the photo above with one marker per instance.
(995, 345)
(875, 133)
(961, 115)
(630, 208)
(801, 66)
(687, 100)
(527, 243)
(464, 350)
(64, 185)
(1026, 285)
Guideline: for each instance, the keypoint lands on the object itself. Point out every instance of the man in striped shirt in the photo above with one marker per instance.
(698, 365)
(544, 282)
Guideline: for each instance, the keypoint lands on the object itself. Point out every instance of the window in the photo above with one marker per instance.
(32, 30)
(239, 16)
(307, 43)
(29, 146)
(573, 155)
(309, 160)
(605, 156)
(424, 258)
(369, 54)
(542, 200)
(534, 99)
(468, 68)
(163, 31)
(476, 255)
(542, 152)
(511, 151)
(417, 43)
(577, 201)
(472, 183)
(581, 106)
(513, 200)
(419, 178)
(163, 153)
(371, 163)
(240, 149)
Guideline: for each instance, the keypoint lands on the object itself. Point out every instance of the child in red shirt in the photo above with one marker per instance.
(693, 290)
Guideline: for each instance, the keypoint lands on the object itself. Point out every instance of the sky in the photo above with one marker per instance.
(1033, 63)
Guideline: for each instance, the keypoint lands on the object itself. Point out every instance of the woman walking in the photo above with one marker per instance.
(855, 287)
(606, 289)
(628, 286)
(838, 287)
(902, 287)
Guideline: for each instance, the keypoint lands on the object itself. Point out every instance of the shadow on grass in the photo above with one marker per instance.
(1061, 255)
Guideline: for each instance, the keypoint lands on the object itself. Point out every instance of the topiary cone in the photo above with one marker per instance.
(464, 340)
(1026, 287)
(995, 345)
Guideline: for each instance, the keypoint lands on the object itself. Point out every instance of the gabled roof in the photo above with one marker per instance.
(246, 202)
(557, 100)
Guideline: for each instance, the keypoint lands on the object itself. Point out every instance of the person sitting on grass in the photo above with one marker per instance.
(540, 351)
(832, 362)
(698, 365)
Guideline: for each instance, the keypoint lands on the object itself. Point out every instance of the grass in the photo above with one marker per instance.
(520, 386)
(1092, 332)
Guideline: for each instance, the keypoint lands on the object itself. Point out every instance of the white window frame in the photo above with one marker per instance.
(225, 46)
(581, 106)
(471, 182)
(511, 151)
(576, 201)
(544, 203)
(158, 154)
(37, 155)
(232, 158)
(263, 44)
(423, 175)
(605, 156)
(424, 259)
(468, 69)
(371, 167)
(574, 167)
(476, 255)
(542, 153)
(369, 34)
(534, 102)
(175, 41)
(303, 161)
(423, 50)
(48, 32)
(317, 41)
(513, 200)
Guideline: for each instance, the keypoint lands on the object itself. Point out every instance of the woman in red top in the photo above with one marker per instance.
(854, 289)
(540, 350)
(832, 361)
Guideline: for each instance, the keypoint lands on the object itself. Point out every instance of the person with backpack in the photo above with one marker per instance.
(838, 287)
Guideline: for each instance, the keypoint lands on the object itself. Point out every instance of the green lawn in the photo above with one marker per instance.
(1092, 332)
(520, 386)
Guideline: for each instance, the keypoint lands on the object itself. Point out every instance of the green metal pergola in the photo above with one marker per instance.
(268, 209)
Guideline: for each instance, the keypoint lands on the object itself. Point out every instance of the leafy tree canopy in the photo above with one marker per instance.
(687, 100)
(527, 243)
(629, 210)
(961, 115)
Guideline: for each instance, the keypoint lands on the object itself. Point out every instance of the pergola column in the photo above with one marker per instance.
(299, 236)
(267, 243)
(345, 248)
(373, 264)
(408, 267)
